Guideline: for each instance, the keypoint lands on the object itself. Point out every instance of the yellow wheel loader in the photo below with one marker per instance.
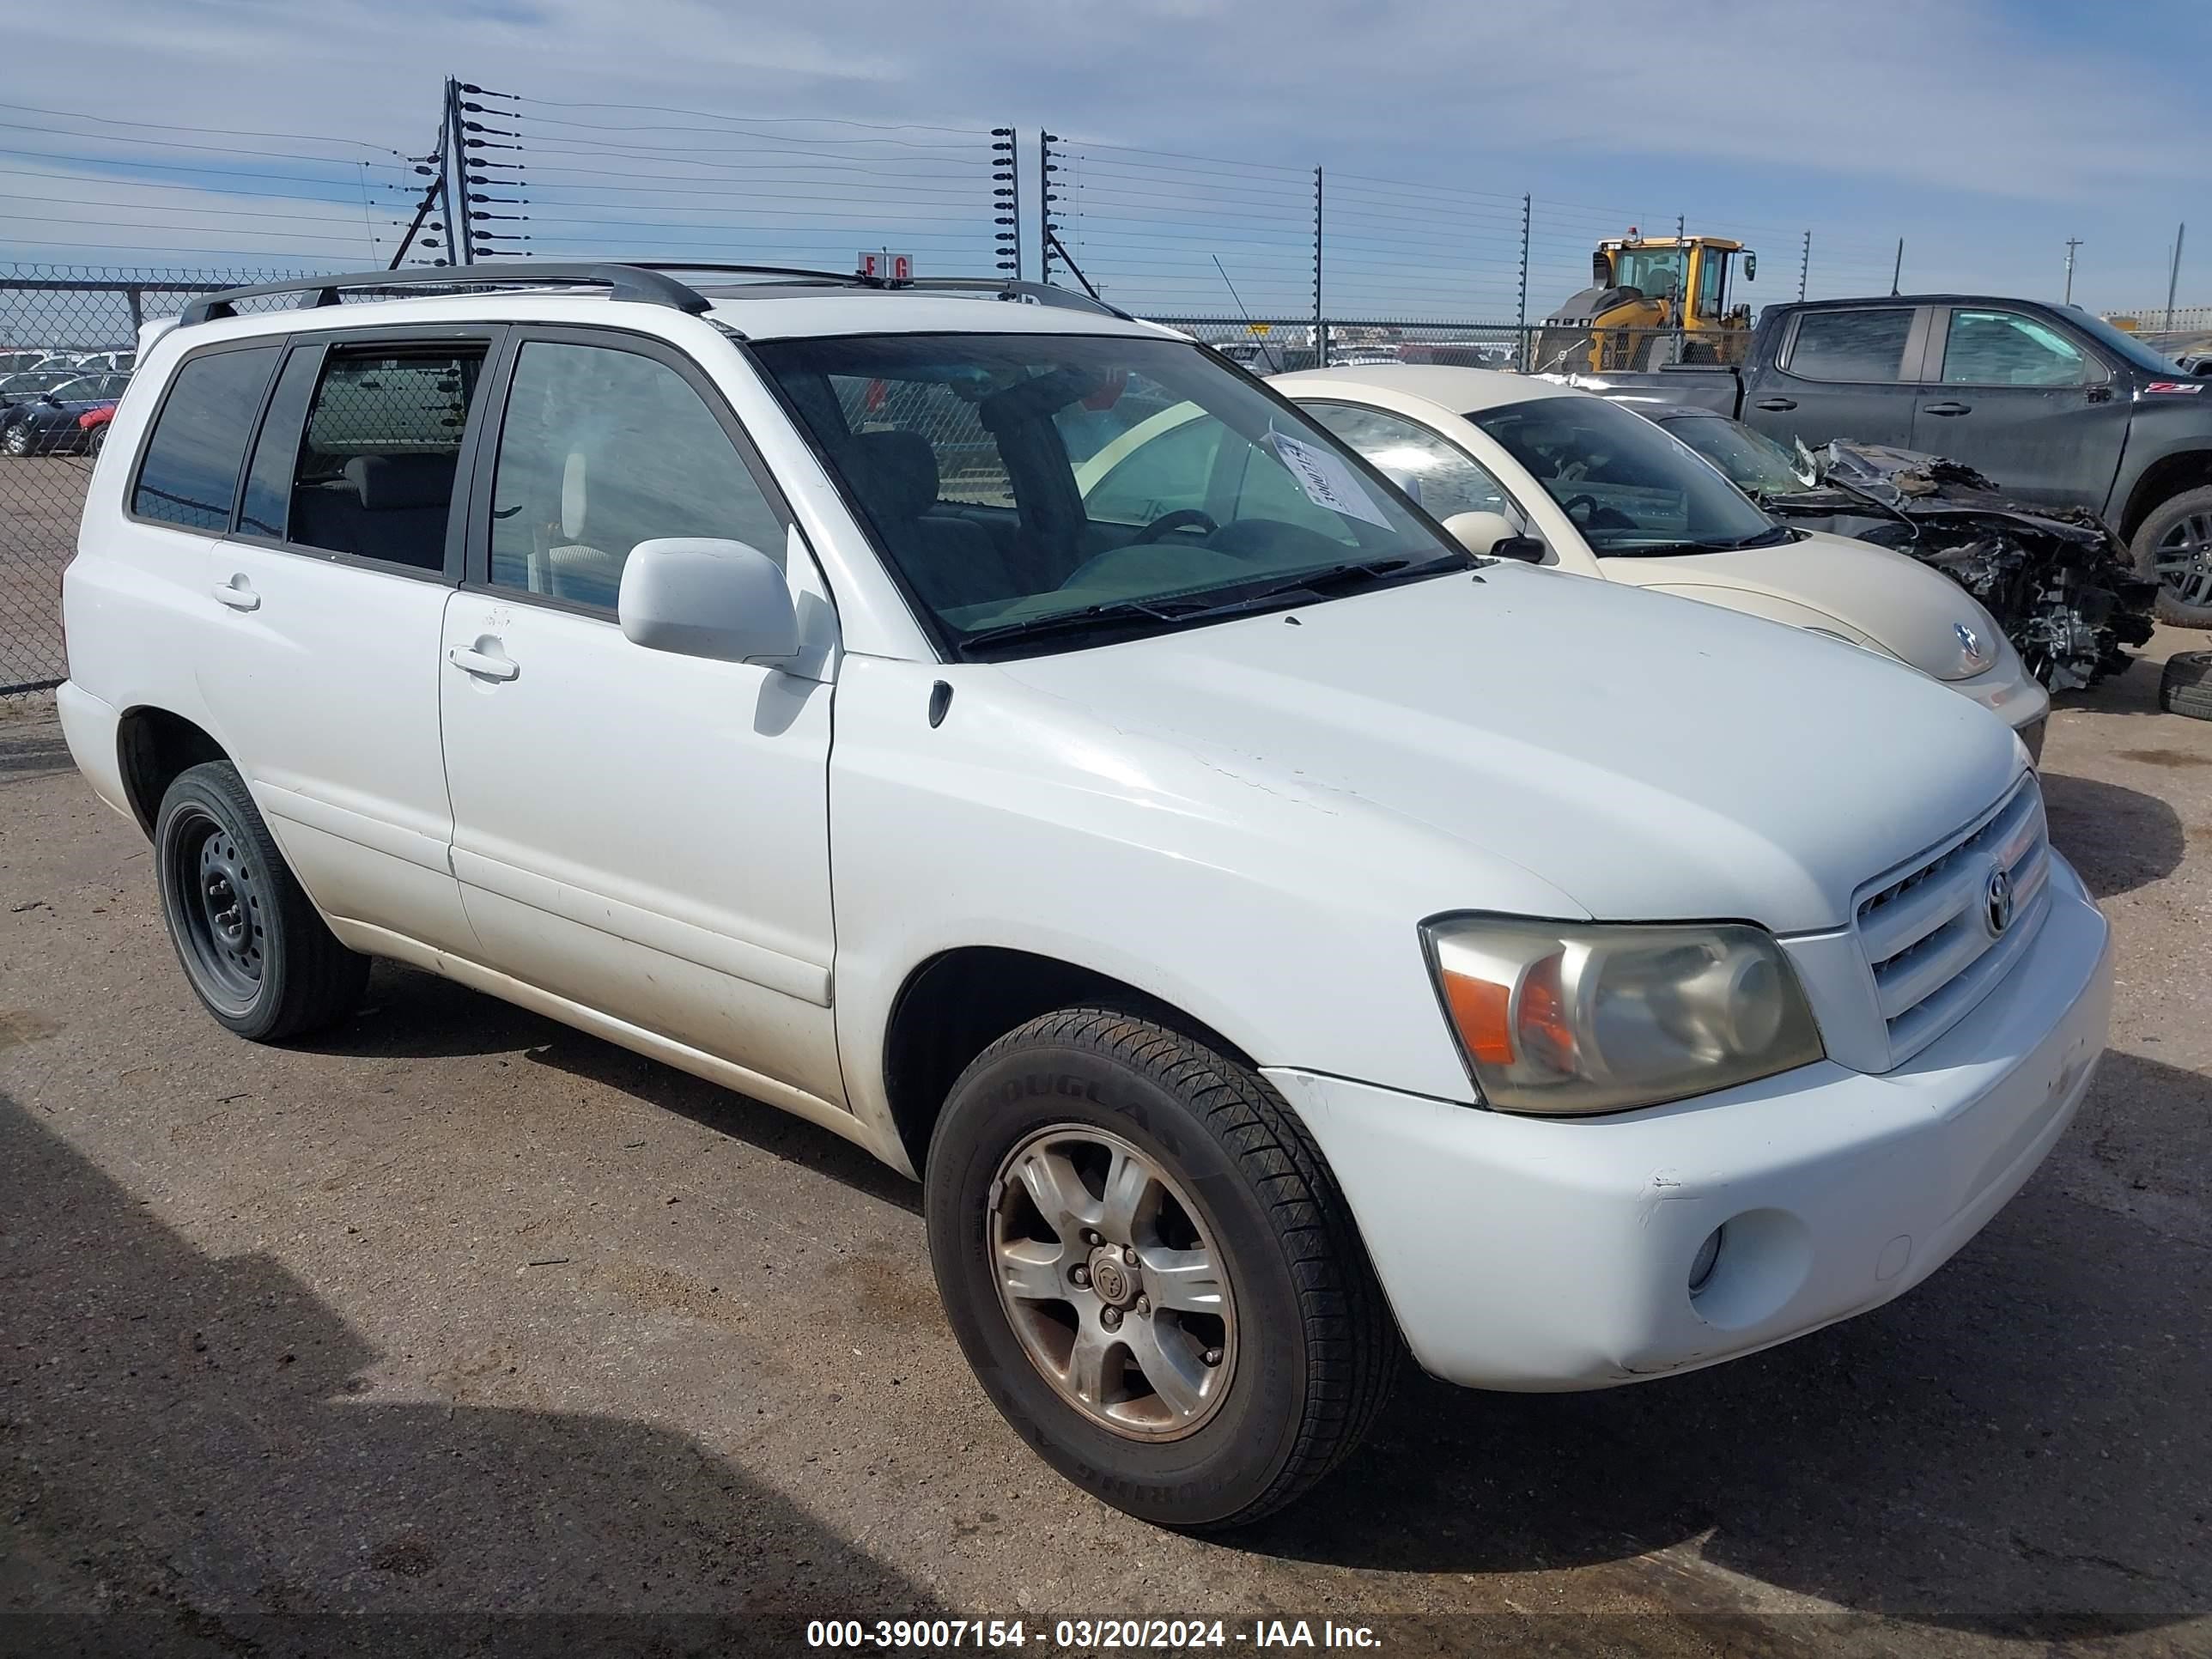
(1653, 301)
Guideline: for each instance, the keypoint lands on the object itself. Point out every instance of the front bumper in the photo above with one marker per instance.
(1555, 1254)
(2013, 695)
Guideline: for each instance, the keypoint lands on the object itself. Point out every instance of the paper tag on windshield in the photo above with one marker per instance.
(1327, 480)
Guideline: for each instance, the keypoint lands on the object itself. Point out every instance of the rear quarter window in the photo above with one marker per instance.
(189, 476)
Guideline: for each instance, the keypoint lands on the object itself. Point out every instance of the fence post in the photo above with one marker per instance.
(1321, 328)
(1805, 265)
(461, 241)
(1047, 230)
(1897, 270)
(134, 298)
(1521, 314)
(1006, 201)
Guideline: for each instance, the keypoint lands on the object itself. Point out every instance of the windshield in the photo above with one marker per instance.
(1021, 485)
(1627, 485)
(1754, 463)
(2121, 343)
(1656, 270)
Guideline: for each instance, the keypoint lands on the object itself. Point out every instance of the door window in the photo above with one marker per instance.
(1445, 478)
(189, 474)
(374, 477)
(2004, 348)
(1865, 343)
(602, 449)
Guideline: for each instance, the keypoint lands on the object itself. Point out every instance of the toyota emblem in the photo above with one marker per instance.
(1996, 900)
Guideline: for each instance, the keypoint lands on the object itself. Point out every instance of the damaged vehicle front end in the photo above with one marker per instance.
(2058, 579)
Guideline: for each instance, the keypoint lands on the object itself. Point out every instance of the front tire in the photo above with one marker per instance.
(253, 949)
(1152, 1271)
(2173, 548)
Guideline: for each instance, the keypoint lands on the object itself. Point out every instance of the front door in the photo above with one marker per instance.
(2020, 398)
(644, 833)
(326, 602)
(1842, 374)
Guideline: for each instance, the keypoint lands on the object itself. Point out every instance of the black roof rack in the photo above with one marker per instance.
(646, 281)
(635, 282)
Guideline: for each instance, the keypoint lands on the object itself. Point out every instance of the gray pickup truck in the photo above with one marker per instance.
(2058, 407)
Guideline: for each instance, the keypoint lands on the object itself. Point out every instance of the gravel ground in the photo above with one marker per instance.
(454, 1331)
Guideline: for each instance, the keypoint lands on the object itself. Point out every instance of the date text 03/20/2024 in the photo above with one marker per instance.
(1163, 1635)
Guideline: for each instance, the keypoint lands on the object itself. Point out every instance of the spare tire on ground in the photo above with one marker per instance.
(2186, 686)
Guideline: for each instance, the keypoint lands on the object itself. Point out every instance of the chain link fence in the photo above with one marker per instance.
(69, 341)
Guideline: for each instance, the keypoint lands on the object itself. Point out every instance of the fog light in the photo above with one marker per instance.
(1709, 1252)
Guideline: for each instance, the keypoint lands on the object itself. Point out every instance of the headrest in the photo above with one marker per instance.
(893, 473)
(387, 481)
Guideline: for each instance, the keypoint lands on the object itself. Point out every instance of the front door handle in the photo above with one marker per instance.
(1777, 405)
(238, 593)
(483, 664)
(1947, 409)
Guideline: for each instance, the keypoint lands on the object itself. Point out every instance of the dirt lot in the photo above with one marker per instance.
(455, 1331)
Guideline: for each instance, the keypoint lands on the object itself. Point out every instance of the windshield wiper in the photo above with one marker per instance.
(1772, 536)
(1086, 620)
(1332, 577)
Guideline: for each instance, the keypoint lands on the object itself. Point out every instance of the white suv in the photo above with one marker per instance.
(1271, 941)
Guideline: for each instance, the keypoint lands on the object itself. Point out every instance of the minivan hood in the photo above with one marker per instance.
(1893, 601)
(1648, 757)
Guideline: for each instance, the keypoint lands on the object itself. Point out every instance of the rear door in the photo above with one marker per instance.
(2023, 400)
(324, 607)
(1841, 372)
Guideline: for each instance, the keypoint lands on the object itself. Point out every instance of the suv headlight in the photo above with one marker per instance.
(1569, 1017)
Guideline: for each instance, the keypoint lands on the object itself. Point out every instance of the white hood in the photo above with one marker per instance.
(1649, 757)
(1887, 597)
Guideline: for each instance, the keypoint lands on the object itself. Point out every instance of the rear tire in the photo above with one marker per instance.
(253, 949)
(18, 439)
(2178, 534)
(2186, 688)
(1266, 1381)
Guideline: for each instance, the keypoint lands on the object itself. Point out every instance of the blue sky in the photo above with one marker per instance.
(1983, 133)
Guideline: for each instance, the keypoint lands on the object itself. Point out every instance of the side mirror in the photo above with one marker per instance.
(1492, 536)
(701, 597)
(1750, 267)
(1408, 484)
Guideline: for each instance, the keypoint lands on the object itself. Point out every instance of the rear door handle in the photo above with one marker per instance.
(238, 593)
(1777, 405)
(1947, 409)
(483, 664)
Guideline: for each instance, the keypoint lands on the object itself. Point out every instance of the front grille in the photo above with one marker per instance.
(1925, 930)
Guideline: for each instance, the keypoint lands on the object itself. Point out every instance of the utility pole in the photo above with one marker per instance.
(1805, 265)
(2072, 242)
(461, 241)
(1521, 310)
(2173, 274)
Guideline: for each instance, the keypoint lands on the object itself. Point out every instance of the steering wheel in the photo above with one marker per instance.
(1183, 518)
(1588, 502)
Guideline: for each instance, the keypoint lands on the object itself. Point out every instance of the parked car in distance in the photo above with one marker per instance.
(47, 423)
(1271, 931)
(2058, 407)
(1605, 493)
(30, 382)
(94, 423)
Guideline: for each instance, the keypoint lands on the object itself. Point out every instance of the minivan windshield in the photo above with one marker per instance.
(1035, 491)
(1629, 487)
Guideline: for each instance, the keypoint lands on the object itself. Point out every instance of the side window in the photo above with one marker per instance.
(1865, 343)
(2004, 348)
(190, 473)
(374, 477)
(1164, 472)
(269, 480)
(602, 449)
(1445, 478)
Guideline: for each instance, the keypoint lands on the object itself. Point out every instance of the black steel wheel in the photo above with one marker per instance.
(253, 949)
